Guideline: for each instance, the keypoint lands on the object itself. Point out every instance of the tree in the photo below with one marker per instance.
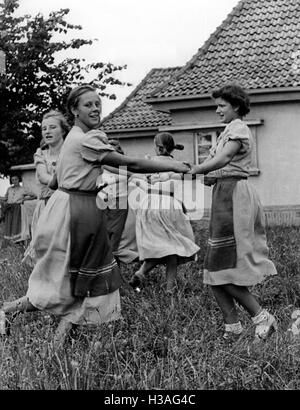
(34, 82)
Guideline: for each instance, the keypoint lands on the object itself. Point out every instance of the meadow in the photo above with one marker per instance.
(162, 342)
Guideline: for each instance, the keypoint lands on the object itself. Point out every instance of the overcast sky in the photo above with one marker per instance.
(143, 34)
(140, 33)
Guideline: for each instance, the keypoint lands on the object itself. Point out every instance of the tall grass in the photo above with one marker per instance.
(163, 342)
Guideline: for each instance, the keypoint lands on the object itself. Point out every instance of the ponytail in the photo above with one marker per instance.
(167, 141)
(180, 147)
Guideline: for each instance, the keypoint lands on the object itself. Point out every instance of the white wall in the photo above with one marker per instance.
(4, 184)
(278, 149)
(278, 143)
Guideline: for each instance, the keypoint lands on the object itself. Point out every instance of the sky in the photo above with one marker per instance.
(143, 34)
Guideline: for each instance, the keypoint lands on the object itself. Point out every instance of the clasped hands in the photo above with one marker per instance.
(194, 170)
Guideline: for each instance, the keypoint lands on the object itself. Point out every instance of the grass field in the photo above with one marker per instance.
(162, 342)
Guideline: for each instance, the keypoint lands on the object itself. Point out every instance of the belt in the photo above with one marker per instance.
(78, 192)
(237, 177)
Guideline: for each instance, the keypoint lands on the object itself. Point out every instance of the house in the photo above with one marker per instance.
(132, 120)
(257, 45)
(135, 122)
(29, 182)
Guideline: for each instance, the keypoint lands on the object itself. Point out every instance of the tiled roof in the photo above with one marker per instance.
(257, 45)
(134, 112)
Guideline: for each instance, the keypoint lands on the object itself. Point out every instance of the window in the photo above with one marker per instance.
(204, 142)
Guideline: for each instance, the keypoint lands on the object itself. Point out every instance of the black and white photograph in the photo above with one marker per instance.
(150, 198)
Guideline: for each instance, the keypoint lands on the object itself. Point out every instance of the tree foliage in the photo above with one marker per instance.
(35, 81)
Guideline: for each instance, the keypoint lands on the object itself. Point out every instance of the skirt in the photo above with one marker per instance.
(115, 222)
(252, 262)
(49, 285)
(127, 251)
(163, 229)
(12, 221)
(29, 257)
(36, 214)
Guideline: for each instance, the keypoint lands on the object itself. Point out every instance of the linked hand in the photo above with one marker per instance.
(193, 170)
(188, 165)
(181, 167)
(185, 167)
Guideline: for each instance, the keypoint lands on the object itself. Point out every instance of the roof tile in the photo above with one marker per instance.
(134, 112)
(263, 32)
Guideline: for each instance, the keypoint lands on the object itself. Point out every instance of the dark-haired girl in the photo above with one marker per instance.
(14, 197)
(75, 276)
(237, 255)
(163, 231)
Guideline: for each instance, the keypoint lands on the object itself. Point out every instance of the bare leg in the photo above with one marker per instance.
(18, 306)
(171, 271)
(61, 333)
(233, 327)
(138, 277)
(265, 323)
(244, 297)
(147, 267)
(226, 304)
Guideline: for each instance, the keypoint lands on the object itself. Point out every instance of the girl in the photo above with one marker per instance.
(237, 255)
(113, 199)
(75, 276)
(54, 129)
(14, 197)
(163, 230)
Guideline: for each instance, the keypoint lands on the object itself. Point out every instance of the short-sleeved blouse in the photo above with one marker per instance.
(241, 162)
(78, 165)
(15, 195)
(42, 157)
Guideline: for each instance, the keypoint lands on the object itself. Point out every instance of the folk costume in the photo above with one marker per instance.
(43, 158)
(76, 276)
(162, 226)
(237, 247)
(14, 197)
(112, 198)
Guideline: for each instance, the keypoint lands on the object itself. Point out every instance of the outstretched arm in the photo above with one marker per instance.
(140, 165)
(222, 158)
(119, 171)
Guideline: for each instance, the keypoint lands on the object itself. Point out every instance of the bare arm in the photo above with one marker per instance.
(142, 165)
(118, 171)
(209, 157)
(221, 159)
(42, 174)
